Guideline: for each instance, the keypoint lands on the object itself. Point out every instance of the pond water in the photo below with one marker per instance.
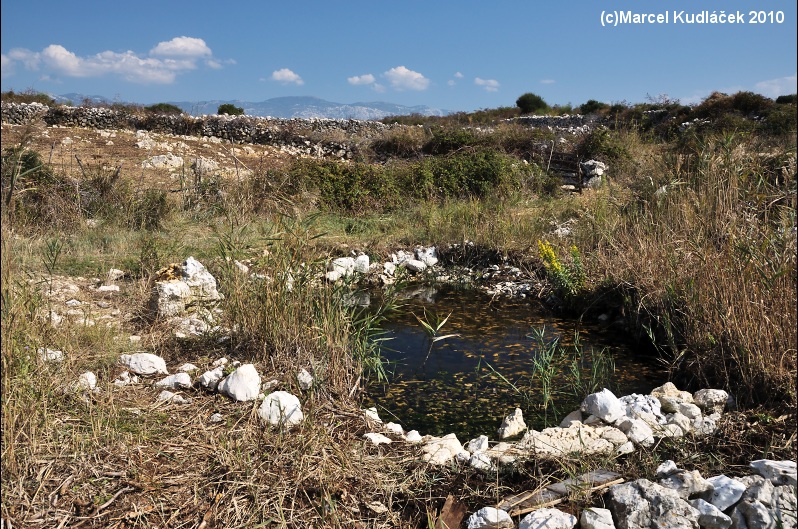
(483, 364)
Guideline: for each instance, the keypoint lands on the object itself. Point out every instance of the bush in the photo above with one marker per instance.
(529, 103)
(787, 100)
(351, 188)
(470, 174)
(445, 140)
(592, 107)
(603, 145)
(28, 96)
(164, 108)
(230, 110)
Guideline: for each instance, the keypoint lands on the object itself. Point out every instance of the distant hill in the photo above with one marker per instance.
(310, 107)
(284, 107)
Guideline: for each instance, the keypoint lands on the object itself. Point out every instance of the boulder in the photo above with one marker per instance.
(670, 390)
(688, 485)
(490, 518)
(144, 364)
(241, 385)
(548, 518)
(512, 425)
(604, 405)
(711, 400)
(725, 492)
(576, 439)
(777, 472)
(642, 504)
(441, 450)
(210, 379)
(281, 408)
(596, 518)
(479, 444)
(710, 517)
(176, 381)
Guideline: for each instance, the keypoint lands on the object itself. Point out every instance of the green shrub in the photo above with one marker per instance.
(448, 139)
(28, 96)
(148, 210)
(781, 120)
(604, 145)
(348, 187)
(787, 100)
(164, 108)
(468, 174)
(592, 107)
(529, 103)
(230, 110)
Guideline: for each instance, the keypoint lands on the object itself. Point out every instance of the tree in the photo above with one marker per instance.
(230, 110)
(530, 102)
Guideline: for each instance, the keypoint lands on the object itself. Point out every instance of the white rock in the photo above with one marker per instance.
(482, 462)
(333, 275)
(343, 265)
(414, 265)
(389, 269)
(574, 416)
(108, 288)
(670, 390)
(413, 436)
(637, 431)
(711, 400)
(216, 417)
(73, 303)
(687, 484)
(576, 439)
(512, 425)
(711, 517)
(210, 379)
(726, 491)
(173, 398)
(479, 444)
(372, 414)
(304, 379)
(596, 518)
(681, 421)
(626, 448)
(241, 385)
(176, 381)
(441, 450)
(428, 256)
(187, 368)
(604, 405)
(86, 381)
(361, 264)
(666, 468)
(281, 408)
(548, 518)
(777, 472)
(490, 518)
(377, 438)
(115, 274)
(125, 379)
(50, 355)
(144, 364)
(200, 281)
(645, 407)
(395, 428)
(220, 362)
(169, 298)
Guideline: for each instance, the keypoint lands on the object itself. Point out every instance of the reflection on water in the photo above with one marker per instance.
(463, 384)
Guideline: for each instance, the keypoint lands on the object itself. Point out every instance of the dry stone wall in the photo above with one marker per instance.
(301, 136)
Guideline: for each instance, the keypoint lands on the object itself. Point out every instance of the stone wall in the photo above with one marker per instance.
(301, 136)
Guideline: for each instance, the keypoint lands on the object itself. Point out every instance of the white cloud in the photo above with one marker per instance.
(547, 81)
(490, 85)
(165, 61)
(402, 78)
(378, 88)
(361, 79)
(6, 65)
(458, 75)
(182, 47)
(778, 87)
(286, 76)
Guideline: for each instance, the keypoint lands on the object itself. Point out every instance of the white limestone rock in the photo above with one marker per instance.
(86, 382)
(568, 420)
(144, 364)
(241, 385)
(726, 491)
(377, 438)
(548, 518)
(413, 437)
(361, 264)
(490, 518)
(172, 398)
(371, 414)
(666, 468)
(428, 256)
(710, 516)
(777, 472)
(281, 408)
(482, 462)
(414, 265)
(50, 355)
(395, 428)
(441, 450)
(187, 368)
(576, 439)
(637, 431)
(304, 379)
(687, 484)
(604, 405)
(596, 518)
(125, 379)
(478, 444)
(711, 400)
(512, 425)
(643, 504)
(670, 390)
(210, 379)
(344, 266)
(177, 381)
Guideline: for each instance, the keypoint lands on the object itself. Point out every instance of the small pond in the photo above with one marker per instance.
(483, 365)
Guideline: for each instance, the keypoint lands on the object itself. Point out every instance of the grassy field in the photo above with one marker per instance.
(691, 240)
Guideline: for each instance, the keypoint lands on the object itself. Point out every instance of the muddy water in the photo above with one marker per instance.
(483, 368)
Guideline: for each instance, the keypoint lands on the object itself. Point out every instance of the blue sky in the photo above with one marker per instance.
(463, 55)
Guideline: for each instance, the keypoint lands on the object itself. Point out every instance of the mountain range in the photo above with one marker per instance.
(285, 107)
